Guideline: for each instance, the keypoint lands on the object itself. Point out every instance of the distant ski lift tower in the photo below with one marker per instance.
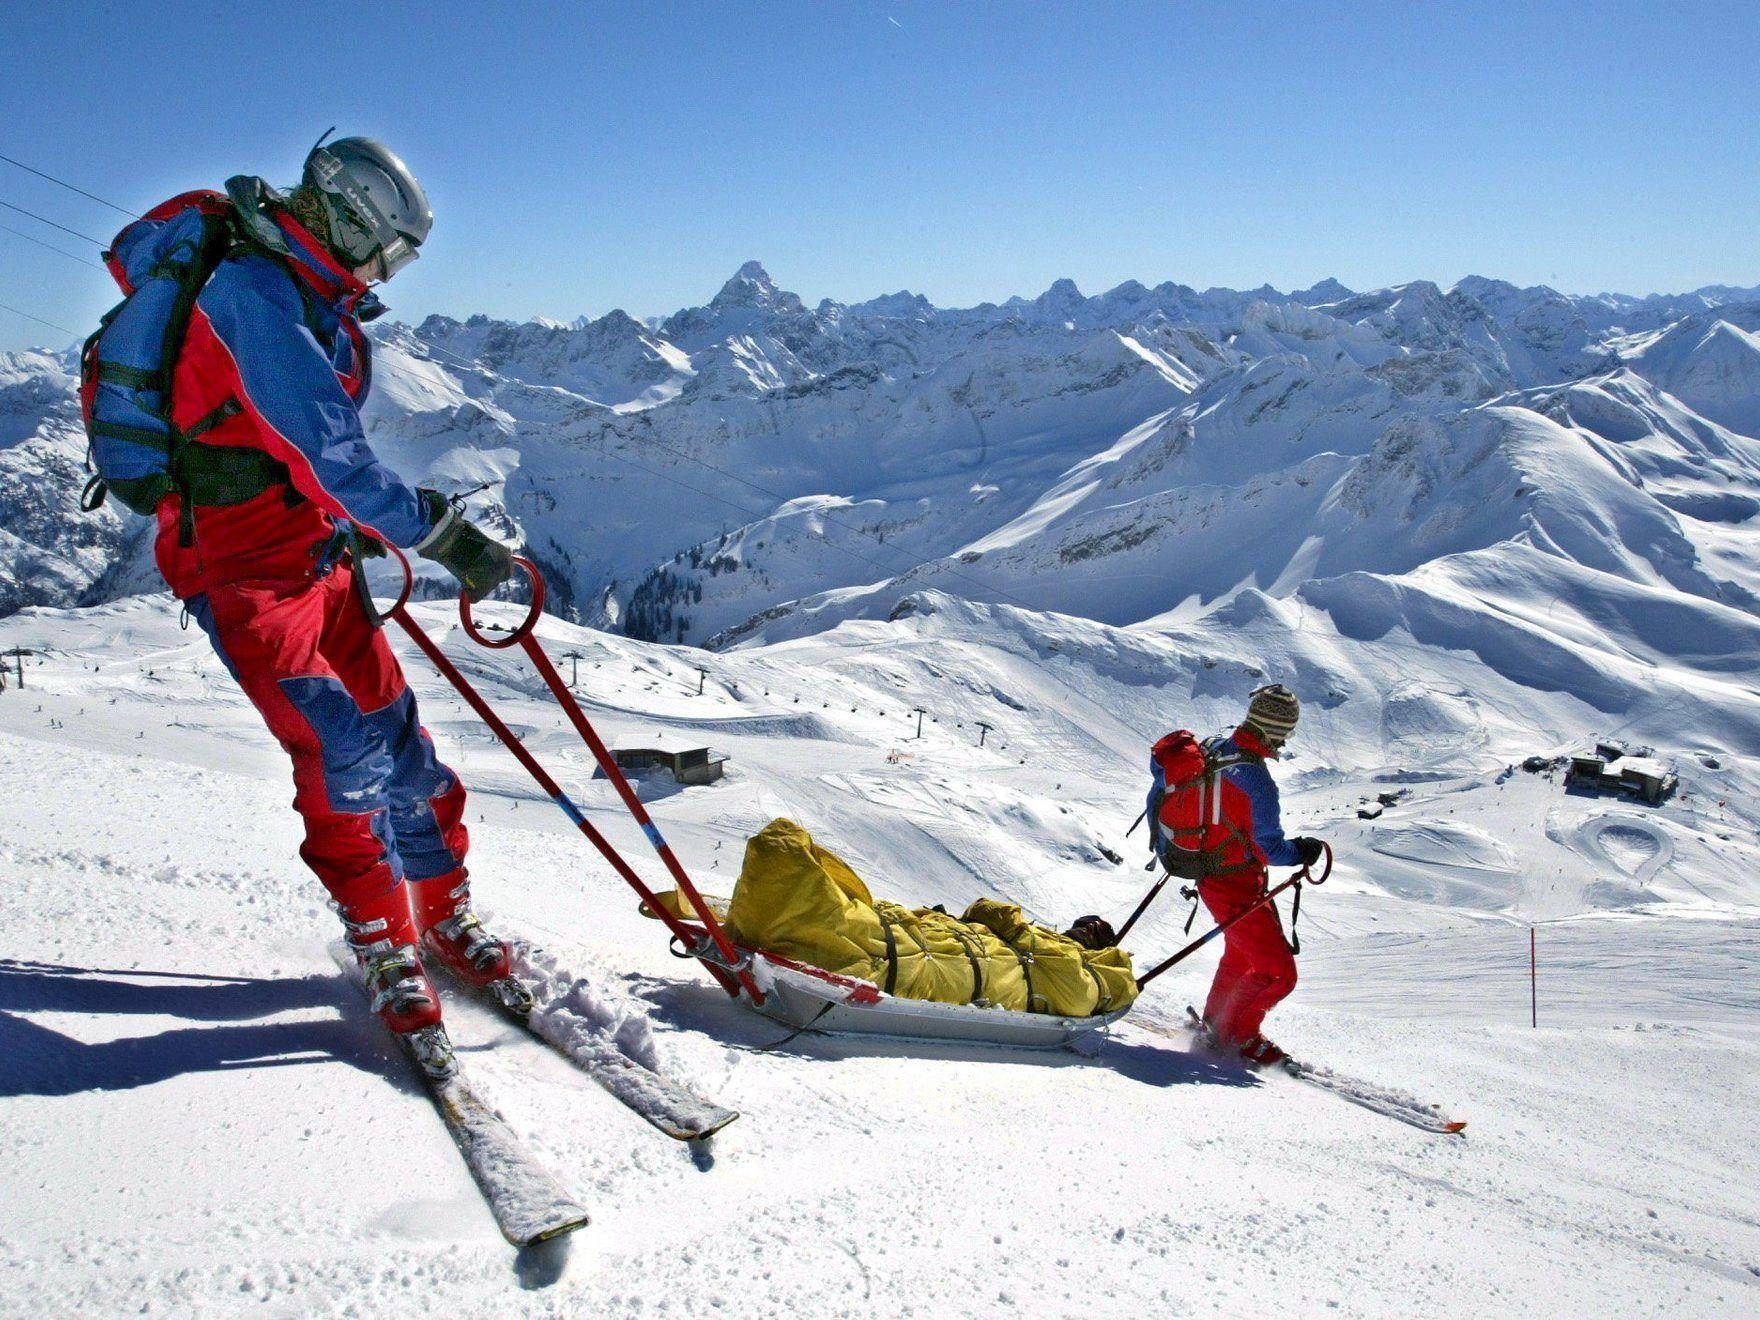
(983, 731)
(18, 653)
(574, 677)
(920, 712)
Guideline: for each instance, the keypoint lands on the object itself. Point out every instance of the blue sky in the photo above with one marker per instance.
(588, 156)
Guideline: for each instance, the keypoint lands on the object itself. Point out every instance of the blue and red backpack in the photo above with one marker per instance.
(161, 262)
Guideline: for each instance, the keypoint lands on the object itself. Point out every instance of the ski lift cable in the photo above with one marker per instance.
(95, 242)
(71, 256)
(39, 320)
(30, 169)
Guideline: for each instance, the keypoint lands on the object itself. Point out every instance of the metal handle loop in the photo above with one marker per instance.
(409, 580)
(520, 633)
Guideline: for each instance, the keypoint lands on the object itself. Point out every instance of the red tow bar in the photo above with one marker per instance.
(1303, 876)
(716, 953)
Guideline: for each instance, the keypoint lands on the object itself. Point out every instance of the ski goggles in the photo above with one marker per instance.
(360, 229)
(394, 256)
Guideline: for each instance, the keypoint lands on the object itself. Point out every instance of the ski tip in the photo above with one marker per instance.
(1453, 1128)
(701, 1131)
(551, 1232)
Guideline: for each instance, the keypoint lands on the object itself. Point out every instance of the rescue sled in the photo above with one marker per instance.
(829, 956)
(812, 999)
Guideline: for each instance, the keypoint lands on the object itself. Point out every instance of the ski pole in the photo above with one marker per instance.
(1299, 877)
(1142, 907)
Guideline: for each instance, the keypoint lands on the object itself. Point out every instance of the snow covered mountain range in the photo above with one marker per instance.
(1561, 483)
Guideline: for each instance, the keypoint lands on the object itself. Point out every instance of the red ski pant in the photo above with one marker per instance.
(1257, 968)
(378, 806)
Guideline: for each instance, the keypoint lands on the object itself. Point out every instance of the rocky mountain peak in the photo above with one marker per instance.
(751, 287)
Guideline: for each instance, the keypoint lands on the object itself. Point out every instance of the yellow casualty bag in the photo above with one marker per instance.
(804, 902)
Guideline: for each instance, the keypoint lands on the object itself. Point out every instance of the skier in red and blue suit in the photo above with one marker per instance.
(279, 492)
(1242, 824)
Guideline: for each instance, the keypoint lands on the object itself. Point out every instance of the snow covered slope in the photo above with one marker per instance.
(1711, 362)
(195, 1117)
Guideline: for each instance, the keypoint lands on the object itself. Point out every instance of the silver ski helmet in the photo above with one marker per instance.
(375, 207)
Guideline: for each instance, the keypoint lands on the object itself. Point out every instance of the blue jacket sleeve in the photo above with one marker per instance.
(286, 382)
(1255, 781)
(1156, 786)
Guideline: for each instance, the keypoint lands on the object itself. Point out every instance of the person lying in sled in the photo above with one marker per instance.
(1223, 824)
(276, 490)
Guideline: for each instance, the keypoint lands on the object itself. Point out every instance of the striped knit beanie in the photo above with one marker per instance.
(1272, 713)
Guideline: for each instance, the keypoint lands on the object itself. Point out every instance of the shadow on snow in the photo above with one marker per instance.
(39, 1060)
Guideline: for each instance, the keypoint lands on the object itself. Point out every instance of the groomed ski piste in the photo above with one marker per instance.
(197, 1118)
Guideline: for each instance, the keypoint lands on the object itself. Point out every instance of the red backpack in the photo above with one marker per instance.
(1190, 833)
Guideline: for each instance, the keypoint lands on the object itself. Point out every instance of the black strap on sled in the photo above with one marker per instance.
(801, 1030)
(1102, 1000)
(964, 941)
(891, 954)
(1026, 960)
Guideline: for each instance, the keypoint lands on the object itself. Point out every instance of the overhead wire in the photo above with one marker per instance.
(43, 219)
(39, 320)
(54, 224)
(71, 256)
(31, 169)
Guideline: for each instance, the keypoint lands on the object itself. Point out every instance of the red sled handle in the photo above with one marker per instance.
(728, 966)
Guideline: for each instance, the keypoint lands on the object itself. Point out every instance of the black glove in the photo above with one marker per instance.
(479, 563)
(1308, 850)
(1092, 933)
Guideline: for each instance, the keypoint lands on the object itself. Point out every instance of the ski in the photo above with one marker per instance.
(667, 1105)
(528, 1203)
(1386, 1101)
(1378, 1099)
